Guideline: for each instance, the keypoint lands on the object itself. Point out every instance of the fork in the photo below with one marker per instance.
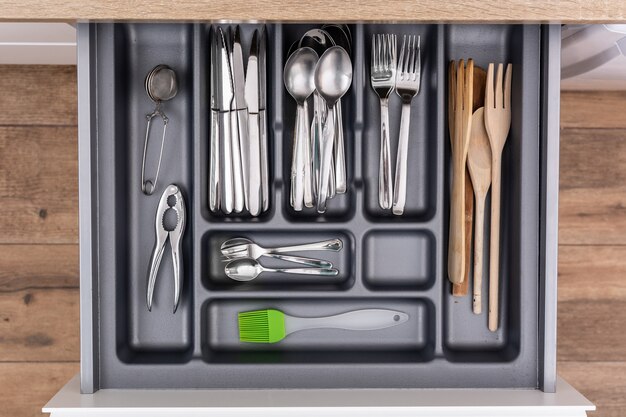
(497, 125)
(383, 79)
(407, 86)
(237, 248)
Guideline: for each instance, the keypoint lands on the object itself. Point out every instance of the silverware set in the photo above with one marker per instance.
(243, 257)
(238, 166)
(318, 65)
(401, 73)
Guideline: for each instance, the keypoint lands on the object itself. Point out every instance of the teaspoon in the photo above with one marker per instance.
(333, 76)
(248, 269)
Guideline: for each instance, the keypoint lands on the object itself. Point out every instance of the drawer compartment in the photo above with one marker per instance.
(387, 262)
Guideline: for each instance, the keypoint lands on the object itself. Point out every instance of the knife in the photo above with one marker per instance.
(225, 140)
(262, 62)
(253, 150)
(239, 123)
(214, 144)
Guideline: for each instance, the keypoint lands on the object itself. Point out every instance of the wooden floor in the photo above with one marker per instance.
(39, 340)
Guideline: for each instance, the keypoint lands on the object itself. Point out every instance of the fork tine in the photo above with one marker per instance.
(489, 88)
(418, 59)
(373, 57)
(507, 86)
(469, 86)
(411, 56)
(499, 95)
(392, 51)
(401, 58)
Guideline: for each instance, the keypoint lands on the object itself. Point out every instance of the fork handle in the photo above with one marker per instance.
(399, 197)
(494, 243)
(385, 187)
(331, 244)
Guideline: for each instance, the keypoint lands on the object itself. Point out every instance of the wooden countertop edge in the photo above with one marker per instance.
(347, 11)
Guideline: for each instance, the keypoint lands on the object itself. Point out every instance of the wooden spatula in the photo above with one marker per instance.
(478, 93)
(479, 164)
(462, 79)
(497, 125)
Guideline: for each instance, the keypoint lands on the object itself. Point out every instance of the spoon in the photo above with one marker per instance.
(299, 82)
(333, 76)
(240, 248)
(319, 40)
(248, 269)
(479, 164)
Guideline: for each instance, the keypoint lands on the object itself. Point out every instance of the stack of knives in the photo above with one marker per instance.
(238, 156)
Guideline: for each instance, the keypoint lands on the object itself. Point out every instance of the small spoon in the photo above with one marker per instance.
(333, 76)
(479, 164)
(230, 253)
(299, 81)
(248, 269)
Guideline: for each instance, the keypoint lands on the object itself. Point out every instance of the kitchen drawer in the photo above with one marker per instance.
(395, 262)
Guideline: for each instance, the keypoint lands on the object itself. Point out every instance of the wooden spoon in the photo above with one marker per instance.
(460, 290)
(479, 164)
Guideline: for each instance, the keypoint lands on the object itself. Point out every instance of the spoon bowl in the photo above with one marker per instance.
(243, 270)
(298, 75)
(333, 74)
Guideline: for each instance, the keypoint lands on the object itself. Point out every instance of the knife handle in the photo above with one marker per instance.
(254, 203)
(265, 178)
(244, 146)
(226, 165)
(214, 162)
(237, 164)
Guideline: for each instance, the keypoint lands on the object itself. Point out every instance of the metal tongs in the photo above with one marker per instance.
(171, 199)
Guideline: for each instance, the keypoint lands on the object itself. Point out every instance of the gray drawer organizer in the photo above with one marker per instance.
(387, 261)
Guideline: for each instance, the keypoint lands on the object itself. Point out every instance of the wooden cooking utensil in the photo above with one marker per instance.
(462, 81)
(497, 125)
(460, 290)
(479, 164)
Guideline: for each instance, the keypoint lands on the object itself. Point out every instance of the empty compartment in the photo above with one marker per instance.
(156, 336)
(466, 336)
(424, 130)
(411, 255)
(342, 207)
(411, 341)
(213, 262)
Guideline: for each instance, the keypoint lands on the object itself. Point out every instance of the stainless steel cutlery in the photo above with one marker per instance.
(318, 152)
(238, 168)
(389, 72)
(242, 255)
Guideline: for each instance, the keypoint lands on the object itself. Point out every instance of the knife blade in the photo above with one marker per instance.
(226, 94)
(253, 152)
(262, 62)
(239, 120)
(214, 148)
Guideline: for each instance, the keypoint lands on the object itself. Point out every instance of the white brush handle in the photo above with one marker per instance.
(368, 319)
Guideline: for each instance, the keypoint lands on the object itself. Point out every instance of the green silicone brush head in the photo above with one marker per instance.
(261, 326)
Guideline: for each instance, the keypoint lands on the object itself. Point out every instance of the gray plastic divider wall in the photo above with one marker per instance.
(387, 261)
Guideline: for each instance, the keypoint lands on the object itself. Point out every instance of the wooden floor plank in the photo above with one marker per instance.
(39, 325)
(39, 185)
(603, 383)
(27, 387)
(38, 266)
(38, 95)
(591, 330)
(593, 109)
(592, 198)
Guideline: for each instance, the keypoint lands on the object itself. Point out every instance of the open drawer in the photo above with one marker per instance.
(395, 262)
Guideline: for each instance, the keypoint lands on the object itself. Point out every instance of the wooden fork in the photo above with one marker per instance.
(461, 80)
(497, 125)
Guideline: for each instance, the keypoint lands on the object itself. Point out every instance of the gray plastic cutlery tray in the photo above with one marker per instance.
(387, 261)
